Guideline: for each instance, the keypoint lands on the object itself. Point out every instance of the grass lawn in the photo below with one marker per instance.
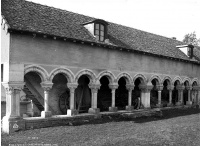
(176, 127)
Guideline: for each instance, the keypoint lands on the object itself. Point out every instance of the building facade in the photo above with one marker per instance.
(69, 64)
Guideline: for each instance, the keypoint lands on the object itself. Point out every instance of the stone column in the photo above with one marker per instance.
(12, 121)
(72, 111)
(47, 87)
(170, 88)
(94, 88)
(145, 94)
(180, 89)
(197, 90)
(189, 88)
(130, 87)
(159, 88)
(113, 87)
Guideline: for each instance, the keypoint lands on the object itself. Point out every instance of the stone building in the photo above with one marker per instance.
(69, 64)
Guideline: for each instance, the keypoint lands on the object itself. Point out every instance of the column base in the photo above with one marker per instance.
(94, 110)
(169, 105)
(129, 108)
(12, 124)
(179, 103)
(72, 112)
(159, 105)
(113, 109)
(30, 114)
(46, 114)
(188, 102)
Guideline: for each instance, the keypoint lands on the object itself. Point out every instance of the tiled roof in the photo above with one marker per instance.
(31, 17)
(197, 53)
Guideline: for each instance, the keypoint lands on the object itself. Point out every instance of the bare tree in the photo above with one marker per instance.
(191, 38)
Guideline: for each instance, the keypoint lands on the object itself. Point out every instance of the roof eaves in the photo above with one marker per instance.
(110, 46)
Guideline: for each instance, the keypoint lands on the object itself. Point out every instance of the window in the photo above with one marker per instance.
(99, 31)
(1, 72)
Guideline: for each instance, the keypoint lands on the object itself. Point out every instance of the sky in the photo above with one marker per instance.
(169, 18)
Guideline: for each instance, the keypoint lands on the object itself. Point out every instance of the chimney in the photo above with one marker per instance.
(174, 38)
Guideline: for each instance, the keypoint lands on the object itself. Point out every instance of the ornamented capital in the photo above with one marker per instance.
(196, 88)
(180, 87)
(46, 86)
(130, 87)
(170, 87)
(10, 87)
(159, 87)
(113, 86)
(94, 87)
(189, 87)
(72, 86)
(145, 88)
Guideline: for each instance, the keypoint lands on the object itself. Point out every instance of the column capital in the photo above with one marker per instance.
(130, 87)
(159, 87)
(113, 86)
(180, 87)
(196, 88)
(188, 87)
(146, 88)
(170, 87)
(72, 85)
(46, 85)
(11, 86)
(94, 87)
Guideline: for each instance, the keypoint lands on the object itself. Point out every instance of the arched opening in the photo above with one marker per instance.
(121, 94)
(33, 91)
(104, 95)
(154, 94)
(60, 94)
(194, 93)
(165, 93)
(83, 95)
(175, 92)
(136, 93)
(185, 92)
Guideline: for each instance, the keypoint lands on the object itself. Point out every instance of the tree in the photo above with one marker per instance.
(191, 38)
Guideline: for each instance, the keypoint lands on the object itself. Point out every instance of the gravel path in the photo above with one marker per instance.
(175, 128)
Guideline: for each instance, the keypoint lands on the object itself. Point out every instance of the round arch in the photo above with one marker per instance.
(108, 74)
(155, 77)
(167, 78)
(186, 79)
(37, 69)
(89, 73)
(177, 78)
(142, 78)
(195, 80)
(127, 77)
(66, 72)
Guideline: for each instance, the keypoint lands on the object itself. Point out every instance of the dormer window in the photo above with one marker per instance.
(98, 28)
(99, 31)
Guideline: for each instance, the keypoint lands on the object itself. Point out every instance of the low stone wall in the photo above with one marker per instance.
(24, 108)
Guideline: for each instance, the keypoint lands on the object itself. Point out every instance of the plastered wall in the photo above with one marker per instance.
(43, 51)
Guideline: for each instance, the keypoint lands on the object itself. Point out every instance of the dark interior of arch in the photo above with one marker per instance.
(175, 93)
(83, 95)
(136, 93)
(121, 95)
(185, 93)
(104, 98)
(61, 92)
(153, 94)
(34, 91)
(165, 94)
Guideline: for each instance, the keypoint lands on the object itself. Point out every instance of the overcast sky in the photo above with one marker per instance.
(170, 18)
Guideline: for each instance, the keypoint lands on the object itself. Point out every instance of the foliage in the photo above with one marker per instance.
(191, 38)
